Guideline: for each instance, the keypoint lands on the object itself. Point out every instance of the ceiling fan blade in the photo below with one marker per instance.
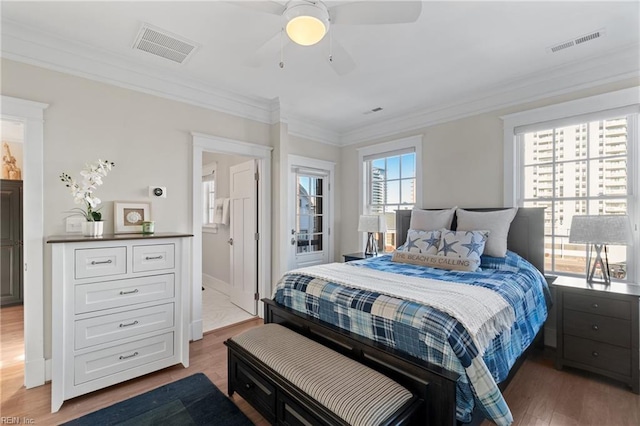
(262, 6)
(269, 51)
(376, 12)
(341, 61)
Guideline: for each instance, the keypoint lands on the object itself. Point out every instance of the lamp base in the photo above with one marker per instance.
(603, 264)
(372, 247)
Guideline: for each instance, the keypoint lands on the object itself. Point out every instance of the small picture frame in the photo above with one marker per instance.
(129, 215)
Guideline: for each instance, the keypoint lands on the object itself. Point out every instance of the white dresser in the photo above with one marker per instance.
(119, 308)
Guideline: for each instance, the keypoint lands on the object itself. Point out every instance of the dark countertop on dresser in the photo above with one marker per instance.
(114, 237)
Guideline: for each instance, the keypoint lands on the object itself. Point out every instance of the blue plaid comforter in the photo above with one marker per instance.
(430, 334)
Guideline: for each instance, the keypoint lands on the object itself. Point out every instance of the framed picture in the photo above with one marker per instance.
(128, 216)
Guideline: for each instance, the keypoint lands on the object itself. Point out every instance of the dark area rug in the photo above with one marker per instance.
(193, 400)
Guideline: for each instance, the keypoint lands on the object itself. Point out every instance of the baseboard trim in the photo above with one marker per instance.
(216, 284)
(35, 373)
(195, 330)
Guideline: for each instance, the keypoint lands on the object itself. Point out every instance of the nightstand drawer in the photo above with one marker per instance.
(615, 308)
(597, 354)
(597, 327)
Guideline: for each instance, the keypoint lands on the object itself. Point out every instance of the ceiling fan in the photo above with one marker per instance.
(307, 22)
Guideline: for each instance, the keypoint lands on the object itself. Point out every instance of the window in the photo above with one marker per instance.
(577, 169)
(208, 197)
(391, 182)
(577, 158)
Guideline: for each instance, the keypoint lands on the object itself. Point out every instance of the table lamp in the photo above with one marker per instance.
(372, 223)
(598, 231)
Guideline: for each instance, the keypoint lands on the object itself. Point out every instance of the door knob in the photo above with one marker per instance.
(230, 241)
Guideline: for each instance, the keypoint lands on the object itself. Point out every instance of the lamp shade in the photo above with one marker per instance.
(601, 229)
(372, 223)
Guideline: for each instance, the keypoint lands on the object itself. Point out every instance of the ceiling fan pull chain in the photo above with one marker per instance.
(330, 47)
(281, 64)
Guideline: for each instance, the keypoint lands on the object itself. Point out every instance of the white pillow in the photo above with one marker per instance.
(425, 242)
(496, 222)
(463, 245)
(431, 220)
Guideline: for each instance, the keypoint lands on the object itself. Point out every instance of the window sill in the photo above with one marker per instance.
(209, 229)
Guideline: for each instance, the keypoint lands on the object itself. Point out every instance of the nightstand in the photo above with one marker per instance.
(356, 256)
(598, 328)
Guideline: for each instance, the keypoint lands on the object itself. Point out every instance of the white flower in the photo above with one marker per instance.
(92, 178)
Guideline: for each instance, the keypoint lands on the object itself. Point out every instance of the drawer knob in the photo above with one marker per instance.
(102, 262)
(153, 257)
(129, 292)
(130, 324)
(595, 354)
(595, 327)
(128, 356)
(248, 386)
(594, 306)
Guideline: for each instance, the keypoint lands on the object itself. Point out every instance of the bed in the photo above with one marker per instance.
(457, 366)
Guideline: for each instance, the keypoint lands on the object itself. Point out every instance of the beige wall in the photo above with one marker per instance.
(146, 136)
(462, 161)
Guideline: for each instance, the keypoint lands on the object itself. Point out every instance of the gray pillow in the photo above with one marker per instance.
(431, 220)
(496, 222)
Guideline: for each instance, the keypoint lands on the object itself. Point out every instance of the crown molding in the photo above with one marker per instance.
(32, 46)
(578, 75)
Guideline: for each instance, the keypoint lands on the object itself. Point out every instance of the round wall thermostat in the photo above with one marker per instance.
(157, 192)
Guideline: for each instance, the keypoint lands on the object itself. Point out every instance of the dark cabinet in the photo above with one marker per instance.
(11, 248)
(598, 328)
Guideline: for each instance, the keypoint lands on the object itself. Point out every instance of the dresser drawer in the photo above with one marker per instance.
(100, 262)
(112, 294)
(598, 327)
(597, 354)
(94, 365)
(108, 328)
(598, 305)
(153, 257)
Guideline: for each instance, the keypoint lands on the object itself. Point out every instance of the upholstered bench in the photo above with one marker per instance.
(291, 379)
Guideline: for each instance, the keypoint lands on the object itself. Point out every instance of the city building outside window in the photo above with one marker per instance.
(391, 181)
(582, 168)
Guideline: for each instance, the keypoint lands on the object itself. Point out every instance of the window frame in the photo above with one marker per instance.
(388, 149)
(207, 203)
(622, 102)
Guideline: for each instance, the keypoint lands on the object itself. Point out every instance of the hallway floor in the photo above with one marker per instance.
(218, 311)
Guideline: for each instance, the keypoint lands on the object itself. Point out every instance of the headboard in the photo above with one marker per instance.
(526, 234)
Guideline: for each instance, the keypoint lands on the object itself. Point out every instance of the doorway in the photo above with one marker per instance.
(31, 115)
(219, 305)
(262, 154)
(310, 211)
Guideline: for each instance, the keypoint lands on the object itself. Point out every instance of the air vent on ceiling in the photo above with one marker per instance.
(162, 43)
(576, 41)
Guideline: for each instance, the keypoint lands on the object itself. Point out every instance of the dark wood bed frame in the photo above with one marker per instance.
(433, 384)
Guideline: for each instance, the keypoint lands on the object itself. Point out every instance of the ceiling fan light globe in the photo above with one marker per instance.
(306, 22)
(305, 30)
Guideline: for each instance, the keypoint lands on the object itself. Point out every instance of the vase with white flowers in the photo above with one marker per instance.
(82, 193)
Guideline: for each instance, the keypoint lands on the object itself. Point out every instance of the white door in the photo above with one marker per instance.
(309, 224)
(244, 231)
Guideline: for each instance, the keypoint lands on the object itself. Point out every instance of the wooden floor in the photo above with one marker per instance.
(538, 394)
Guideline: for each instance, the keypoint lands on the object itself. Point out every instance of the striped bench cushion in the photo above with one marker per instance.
(356, 393)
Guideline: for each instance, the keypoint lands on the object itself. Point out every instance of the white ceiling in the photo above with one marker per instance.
(458, 58)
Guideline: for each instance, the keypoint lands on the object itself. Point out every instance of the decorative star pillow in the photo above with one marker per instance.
(465, 245)
(424, 242)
